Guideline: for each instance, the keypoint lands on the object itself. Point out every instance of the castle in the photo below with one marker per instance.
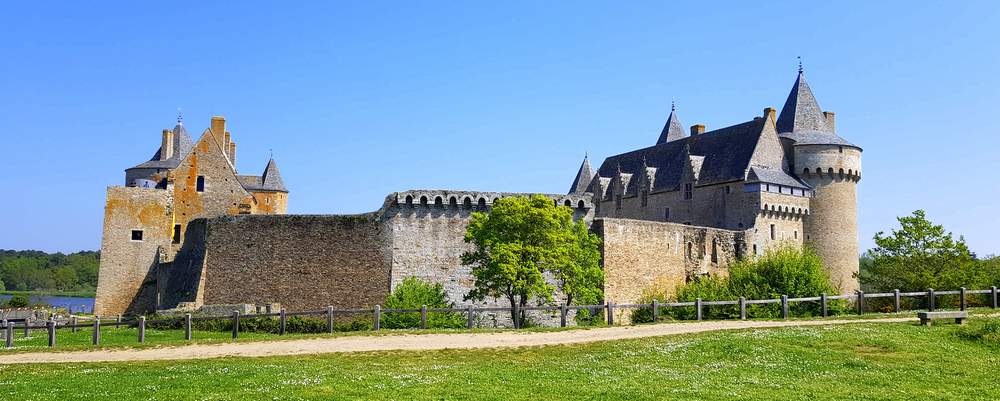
(188, 230)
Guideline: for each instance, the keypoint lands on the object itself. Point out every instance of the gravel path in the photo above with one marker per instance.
(411, 342)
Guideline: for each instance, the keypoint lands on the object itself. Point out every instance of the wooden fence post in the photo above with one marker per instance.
(236, 324)
(118, 321)
(697, 308)
(9, 328)
(743, 308)
(470, 323)
(896, 304)
(784, 307)
(656, 310)
(187, 326)
(961, 298)
(142, 329)
(27, 328)
(993, 291)
(423, 316)
(378, 318)
(329, 319)
(517, 316)
(930, 300)
(861, 302)
(52, 332)
(824, 306)
(562, 315)
(96, 335)
(611, 313)
(72, 322)
(282, 322)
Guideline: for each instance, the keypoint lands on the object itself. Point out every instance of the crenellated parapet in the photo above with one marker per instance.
(475, 200)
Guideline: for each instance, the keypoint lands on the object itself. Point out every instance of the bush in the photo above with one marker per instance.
(17, 301)
(294, 324)
(413, 293)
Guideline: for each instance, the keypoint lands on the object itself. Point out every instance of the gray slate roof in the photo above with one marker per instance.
(269, 181)
(182, 147)
(672, 130)
(773, 176)
(583, 177)
(801, 111)
(727, 153)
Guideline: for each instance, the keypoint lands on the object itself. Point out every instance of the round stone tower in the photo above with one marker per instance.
(831, 227)
(832, 167)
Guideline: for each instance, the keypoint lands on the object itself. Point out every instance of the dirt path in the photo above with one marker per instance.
(411, 342)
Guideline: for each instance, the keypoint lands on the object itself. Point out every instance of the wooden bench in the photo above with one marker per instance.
(926, 317)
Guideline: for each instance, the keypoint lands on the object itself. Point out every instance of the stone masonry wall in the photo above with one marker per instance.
(643, 255)
(127, 276)
(304, 262)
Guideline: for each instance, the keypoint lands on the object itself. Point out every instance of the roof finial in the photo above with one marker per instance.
(272, 152)
(180, 117)
(673, 105)
(586, 154)
(800, 63)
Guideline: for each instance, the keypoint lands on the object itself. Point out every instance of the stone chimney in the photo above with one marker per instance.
(167, 145)
(770, 112)
(218, 127)
(232, 153)
(697, 129)
(831, 120)
(225, 144)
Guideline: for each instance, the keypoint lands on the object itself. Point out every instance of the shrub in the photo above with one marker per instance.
(412, 293)
(17, 301)
(645, 315)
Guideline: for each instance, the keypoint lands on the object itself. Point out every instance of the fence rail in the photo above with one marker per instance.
(7, 328)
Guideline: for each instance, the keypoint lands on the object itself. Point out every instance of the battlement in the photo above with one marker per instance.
(476, 200)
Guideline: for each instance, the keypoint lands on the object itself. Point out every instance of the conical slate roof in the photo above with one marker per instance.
(801, 111)
(583, 178)
(673, 129)
(271, 179)
(182, 146)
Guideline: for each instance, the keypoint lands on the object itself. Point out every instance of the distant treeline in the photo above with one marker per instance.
(40, 271)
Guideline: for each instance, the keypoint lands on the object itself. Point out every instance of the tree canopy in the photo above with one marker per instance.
(35, 270)
(520, 242)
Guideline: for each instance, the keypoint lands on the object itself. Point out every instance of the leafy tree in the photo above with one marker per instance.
(413, 293)
(519, 242)
(18, 301)
(918, 256)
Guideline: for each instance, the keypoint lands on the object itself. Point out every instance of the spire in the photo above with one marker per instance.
(180, 117)
(673, 129)
(583, 177)
(801, 111)
(271, 179)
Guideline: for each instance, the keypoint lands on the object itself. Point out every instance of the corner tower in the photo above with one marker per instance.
(832, 167)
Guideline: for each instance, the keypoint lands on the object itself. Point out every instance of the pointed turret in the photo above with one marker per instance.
(673, 129)
(801, 111)
(271, 179)
(583, 178)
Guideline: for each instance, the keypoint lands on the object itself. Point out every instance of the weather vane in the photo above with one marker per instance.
(180, 117)
(800, 63)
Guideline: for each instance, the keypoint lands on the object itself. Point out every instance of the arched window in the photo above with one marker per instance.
(830, 171)
(438, 201)
(423, 201)
(805, 171)
(409, 200)
(568, 203)
(453, 201)
(467, 202)
(819, 171)
(581, 205)
(482, 203)
(841, 172)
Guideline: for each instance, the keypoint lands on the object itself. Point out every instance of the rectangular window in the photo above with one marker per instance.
(728, 189)
(201, 184)
(666, 214)
(687, 191)
(177, 233)
(774, 233)
(136, 235)
(796, 234)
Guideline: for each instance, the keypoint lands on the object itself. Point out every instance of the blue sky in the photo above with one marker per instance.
(359, 99)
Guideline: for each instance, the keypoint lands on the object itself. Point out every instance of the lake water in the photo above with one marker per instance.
(86, 304)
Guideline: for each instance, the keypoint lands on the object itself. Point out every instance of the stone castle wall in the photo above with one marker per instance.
(304, 262)
(127, 276)
(645, 255)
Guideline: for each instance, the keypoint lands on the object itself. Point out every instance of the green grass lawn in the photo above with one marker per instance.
(869, 361)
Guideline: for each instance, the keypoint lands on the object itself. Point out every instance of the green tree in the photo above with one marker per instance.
(521, 240)
(918, 256)
(413, 293)
(581, 277)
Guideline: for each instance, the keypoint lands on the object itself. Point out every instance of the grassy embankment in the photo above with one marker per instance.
(878, 361)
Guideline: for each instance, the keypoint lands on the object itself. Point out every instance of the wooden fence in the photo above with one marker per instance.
(699, 305)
